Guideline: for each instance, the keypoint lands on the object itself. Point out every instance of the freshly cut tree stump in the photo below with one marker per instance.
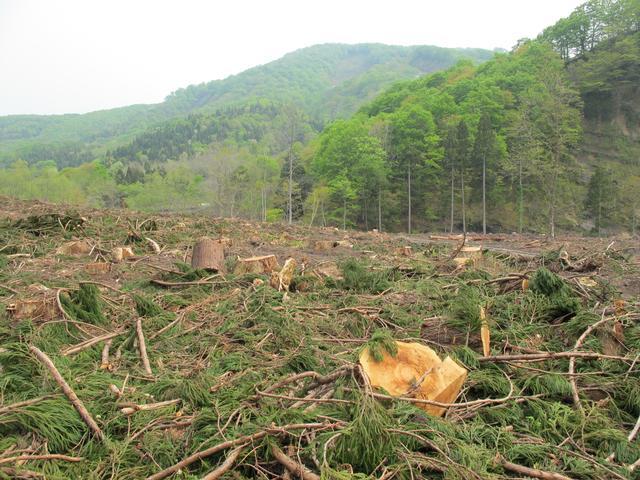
(97, 268)
(208, 254)
(76, 248)
(264, 264)
(119, 254)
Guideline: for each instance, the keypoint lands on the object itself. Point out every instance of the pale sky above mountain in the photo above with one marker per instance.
(81, 55)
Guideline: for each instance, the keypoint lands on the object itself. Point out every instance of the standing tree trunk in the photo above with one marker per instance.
(379, 209)
(291, 181)
(484, 194)
(520, 197)
(552, 197)
(409, 199)
(452, 198)
(464, 217)
(344, 214)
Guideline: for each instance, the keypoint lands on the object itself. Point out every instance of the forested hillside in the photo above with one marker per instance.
(324, 81)
(542, 138)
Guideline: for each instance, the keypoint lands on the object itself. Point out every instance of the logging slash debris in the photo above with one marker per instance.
(222, 349)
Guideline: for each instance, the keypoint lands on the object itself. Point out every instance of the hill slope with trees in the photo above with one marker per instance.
(324, 81)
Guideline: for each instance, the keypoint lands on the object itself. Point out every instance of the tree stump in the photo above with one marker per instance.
(208, 254)
(281, 280)
(264, 264)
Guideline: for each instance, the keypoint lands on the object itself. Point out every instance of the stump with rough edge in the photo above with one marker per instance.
(264, 264)
(208, 254)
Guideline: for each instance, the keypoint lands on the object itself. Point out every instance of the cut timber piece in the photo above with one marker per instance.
(344, 243)
(121, 253)
(208, 254)
(322, 245)
(281, 280)
(264, 264)
(416, 371)
(97, 268)
(76, 248)
(485, 333)
(405, 251)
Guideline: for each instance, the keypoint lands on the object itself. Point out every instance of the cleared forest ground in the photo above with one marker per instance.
(195, 374)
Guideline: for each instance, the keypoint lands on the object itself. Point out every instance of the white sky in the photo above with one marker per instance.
(61, 56)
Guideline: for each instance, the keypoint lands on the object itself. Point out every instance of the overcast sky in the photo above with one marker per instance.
(81, 55)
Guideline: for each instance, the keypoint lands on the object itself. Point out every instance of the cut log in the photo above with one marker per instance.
(208, 254)
(97, 268)
(322, 245)
(76, 248)
(264, 264)
(405, 251)
(119, 254)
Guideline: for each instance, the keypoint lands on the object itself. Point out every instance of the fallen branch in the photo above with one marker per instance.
(233, 443)
(15, 473)
(131, 408)
(292, 466)
(162, 283)
(572, 360)
(8, 289)
(305, 399)
(538, 357)
(530, 472)
(71, 395)
(225, 466)
(154, 244)
(51, 456)
(89, 343)
(142, 346)
(25, 403)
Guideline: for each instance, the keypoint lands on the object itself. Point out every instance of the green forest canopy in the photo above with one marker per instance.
(543, 137)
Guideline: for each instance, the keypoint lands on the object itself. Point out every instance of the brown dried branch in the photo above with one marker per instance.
(142, 346)
(530, 472)
(292, 466)
(51, 456)
(225, 466)
(238, 441)
(71, 395)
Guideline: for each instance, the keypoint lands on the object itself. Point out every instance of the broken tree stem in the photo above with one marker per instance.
(225, 466)
(572, 361)
(143, 348)
(90, 342)
(51, 456)
(531, 472)
(71, 395)
(538, 357)
(233, 443)
(292, 466)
